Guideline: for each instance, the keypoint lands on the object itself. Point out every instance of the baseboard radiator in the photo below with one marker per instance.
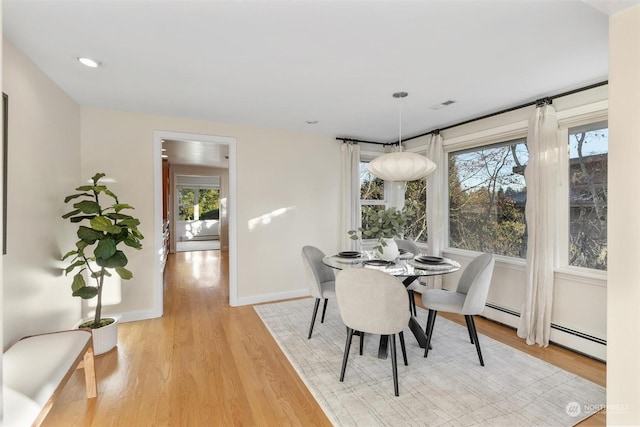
(598, 344)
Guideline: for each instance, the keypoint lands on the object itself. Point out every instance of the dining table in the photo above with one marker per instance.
(407, 267)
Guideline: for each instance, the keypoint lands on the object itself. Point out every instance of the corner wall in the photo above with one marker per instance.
(623, 329)
(43, 167)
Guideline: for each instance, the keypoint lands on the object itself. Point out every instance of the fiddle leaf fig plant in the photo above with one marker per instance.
(383, 224)
(102, 231)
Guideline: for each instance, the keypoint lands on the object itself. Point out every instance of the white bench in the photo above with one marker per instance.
(36, 368)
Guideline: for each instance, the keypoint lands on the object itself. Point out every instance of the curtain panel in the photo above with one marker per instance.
(541, 178)
(436, 184)
(350, 173)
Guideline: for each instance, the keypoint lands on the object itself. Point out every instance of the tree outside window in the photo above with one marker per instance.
(588, 164)
(196, 203)
(487, 195)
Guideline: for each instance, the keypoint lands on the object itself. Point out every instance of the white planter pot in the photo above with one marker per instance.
(105, 338)
(390, 251)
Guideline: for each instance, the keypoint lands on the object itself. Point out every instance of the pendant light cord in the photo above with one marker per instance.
(400, 95)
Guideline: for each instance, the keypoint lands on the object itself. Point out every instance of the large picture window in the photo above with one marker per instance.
(487, 195)
(588, 152)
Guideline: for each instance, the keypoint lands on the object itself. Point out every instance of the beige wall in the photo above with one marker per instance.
(44, 166)
(277, 171)
(623, 331)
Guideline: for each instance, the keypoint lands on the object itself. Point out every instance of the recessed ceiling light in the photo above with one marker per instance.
(89, 62)
(165, 156)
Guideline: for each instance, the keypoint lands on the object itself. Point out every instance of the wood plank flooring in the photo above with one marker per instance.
(207, 364)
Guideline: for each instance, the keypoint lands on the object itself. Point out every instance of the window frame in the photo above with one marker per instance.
(490, 143)
(597, 112)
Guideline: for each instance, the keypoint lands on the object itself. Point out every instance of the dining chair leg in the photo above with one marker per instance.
(347, 347)
(431, 320)
(466, 319)
(394, 364)
(412, 302)
(313, 318)
(404, 349)
(472, 324)
(324, 309)
(361, 342)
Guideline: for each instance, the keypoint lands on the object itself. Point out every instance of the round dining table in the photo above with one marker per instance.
(407, 268)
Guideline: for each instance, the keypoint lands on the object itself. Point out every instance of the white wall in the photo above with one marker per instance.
(44, 167)
(623, 331)
(287, 196)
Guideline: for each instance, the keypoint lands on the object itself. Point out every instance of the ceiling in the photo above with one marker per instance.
(282, 64)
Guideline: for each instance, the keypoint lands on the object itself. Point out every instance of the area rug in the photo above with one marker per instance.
(449, 388)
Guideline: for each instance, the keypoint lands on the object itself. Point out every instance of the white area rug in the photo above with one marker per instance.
(449, 388)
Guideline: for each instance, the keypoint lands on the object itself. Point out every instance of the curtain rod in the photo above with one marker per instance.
(538, 102)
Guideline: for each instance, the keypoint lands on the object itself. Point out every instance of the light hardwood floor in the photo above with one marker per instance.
(207, 364)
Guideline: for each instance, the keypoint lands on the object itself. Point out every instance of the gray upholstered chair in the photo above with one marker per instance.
(468, 299)
(321, 281)
(371, 301)
(410, 246)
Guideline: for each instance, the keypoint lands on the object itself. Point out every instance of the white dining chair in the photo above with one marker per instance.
(374, 302)
(468, 299)
(320, 279)
(411, 247)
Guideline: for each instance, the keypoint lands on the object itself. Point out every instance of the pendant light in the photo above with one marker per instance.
(401, 165)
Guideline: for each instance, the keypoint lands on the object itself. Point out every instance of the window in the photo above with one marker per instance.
(416, 195)
(198, 203)
(375, 194)
(588, 151)
(487, 194)
(372, 192)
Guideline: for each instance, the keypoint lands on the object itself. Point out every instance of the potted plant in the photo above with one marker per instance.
(102, 231)
(384, 225)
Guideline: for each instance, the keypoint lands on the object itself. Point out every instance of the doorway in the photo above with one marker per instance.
(203, 149)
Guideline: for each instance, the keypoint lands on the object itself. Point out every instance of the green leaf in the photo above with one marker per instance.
(76, 219)
(86, 292)
(75, 196)
(68, 254)
(106, 249)
(85, 188)
(78, 282)
(118, 259)
(130, 222)
(124, 273)
(114, 229)
(97, 177)
(120, 206)
(72, 213)
(101, 223)
(70, 268)
(133, 242)
(110, 193)
(87, 206)
(118, 216)
(88, 235)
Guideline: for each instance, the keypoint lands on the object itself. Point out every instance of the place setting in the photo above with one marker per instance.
(429, 262)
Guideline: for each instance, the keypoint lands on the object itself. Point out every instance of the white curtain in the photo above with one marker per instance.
(436, 184)
(350, 172)
(541, 178)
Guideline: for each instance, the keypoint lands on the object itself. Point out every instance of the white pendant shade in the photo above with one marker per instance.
(401, 166)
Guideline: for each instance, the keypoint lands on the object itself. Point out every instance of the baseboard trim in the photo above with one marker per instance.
(562, 336)
(278, 296)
